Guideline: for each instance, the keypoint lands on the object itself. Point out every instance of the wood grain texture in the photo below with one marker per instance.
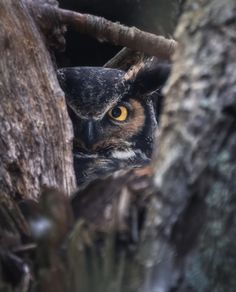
(36, 135)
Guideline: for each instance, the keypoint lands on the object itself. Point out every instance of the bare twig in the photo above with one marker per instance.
(105, 30)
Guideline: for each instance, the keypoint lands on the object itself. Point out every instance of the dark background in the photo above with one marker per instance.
(157, 16)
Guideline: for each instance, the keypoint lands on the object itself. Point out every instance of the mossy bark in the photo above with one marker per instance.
(196, 156)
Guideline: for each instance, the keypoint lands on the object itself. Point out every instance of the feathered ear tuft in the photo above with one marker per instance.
(148, 75)
(133, 71)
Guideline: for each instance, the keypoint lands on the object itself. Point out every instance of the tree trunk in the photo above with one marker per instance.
(35, 131)
(196, 157)
(36, 135)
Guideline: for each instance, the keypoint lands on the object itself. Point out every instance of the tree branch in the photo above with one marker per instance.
(105, 30)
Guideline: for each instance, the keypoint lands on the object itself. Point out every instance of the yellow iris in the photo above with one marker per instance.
(118, 113)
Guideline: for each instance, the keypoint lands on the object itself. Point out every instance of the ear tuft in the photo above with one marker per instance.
(149, 75)
(133, 71)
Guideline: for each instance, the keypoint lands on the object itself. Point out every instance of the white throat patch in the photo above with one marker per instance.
(126, 154)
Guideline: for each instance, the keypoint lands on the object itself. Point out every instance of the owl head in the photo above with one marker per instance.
(114, 113)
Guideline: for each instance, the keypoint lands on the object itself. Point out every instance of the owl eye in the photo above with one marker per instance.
(118, 113)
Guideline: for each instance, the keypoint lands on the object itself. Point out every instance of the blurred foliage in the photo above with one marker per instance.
(66, 256)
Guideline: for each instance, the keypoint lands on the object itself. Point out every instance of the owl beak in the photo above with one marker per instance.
(90, 135)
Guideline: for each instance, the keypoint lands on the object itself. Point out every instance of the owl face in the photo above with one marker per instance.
(112, 129)
(111, 116)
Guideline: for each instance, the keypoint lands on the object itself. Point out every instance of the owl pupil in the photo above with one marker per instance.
(116, 112)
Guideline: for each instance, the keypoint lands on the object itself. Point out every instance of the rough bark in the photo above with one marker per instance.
(35, 132)
(35, 144)
(195, 161)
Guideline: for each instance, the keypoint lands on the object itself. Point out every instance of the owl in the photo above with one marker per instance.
(114, 115)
